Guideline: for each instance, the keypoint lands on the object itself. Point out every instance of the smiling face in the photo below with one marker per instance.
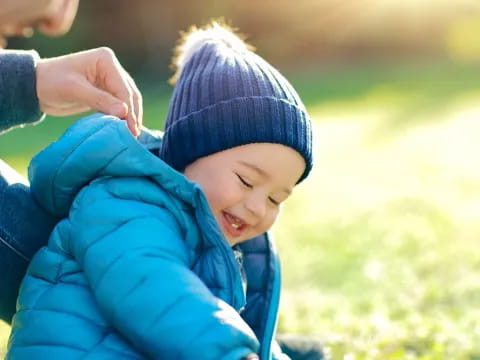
(246, 185)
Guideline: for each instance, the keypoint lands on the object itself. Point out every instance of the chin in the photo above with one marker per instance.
(232, 242)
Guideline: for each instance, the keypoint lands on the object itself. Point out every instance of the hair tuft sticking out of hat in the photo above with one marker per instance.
(194, 38)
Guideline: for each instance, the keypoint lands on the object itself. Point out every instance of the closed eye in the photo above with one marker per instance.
(244, 182)
(273, 201)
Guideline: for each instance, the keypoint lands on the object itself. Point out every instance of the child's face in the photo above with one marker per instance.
(246, 185)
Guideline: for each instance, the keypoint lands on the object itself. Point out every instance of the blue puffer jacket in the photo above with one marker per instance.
(137, 268)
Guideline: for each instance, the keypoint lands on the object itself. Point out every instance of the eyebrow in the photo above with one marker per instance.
(262, 173)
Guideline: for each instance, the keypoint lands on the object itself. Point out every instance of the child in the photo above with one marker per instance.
(166, 255)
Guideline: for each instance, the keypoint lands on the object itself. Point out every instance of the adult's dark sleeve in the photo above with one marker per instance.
(18, 97)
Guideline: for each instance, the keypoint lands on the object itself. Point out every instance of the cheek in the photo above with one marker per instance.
(267, 222)
(214, 199)
(223, 196)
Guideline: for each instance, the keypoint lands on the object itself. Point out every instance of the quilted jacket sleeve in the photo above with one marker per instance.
(137, 265)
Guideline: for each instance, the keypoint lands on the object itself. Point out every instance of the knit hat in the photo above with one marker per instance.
(225, 96)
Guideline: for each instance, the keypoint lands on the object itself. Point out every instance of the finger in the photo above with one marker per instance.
(131, 116)
(116, 83)
(137, 102)
(100, 100)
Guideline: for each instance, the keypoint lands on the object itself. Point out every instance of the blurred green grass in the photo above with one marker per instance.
(379, 244)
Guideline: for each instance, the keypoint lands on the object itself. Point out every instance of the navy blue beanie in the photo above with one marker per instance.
(225, 96)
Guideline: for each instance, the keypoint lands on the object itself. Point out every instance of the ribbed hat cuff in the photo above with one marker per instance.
(235, 122)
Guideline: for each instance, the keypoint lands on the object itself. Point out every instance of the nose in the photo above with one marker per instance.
(256, 205)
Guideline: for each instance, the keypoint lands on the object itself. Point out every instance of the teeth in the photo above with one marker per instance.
(234, 221)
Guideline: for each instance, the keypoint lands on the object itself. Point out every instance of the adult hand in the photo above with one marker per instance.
(92, 79)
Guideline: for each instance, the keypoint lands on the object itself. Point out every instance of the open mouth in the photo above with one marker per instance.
(233, 225)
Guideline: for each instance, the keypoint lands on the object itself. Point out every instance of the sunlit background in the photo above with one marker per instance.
(379, 245)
